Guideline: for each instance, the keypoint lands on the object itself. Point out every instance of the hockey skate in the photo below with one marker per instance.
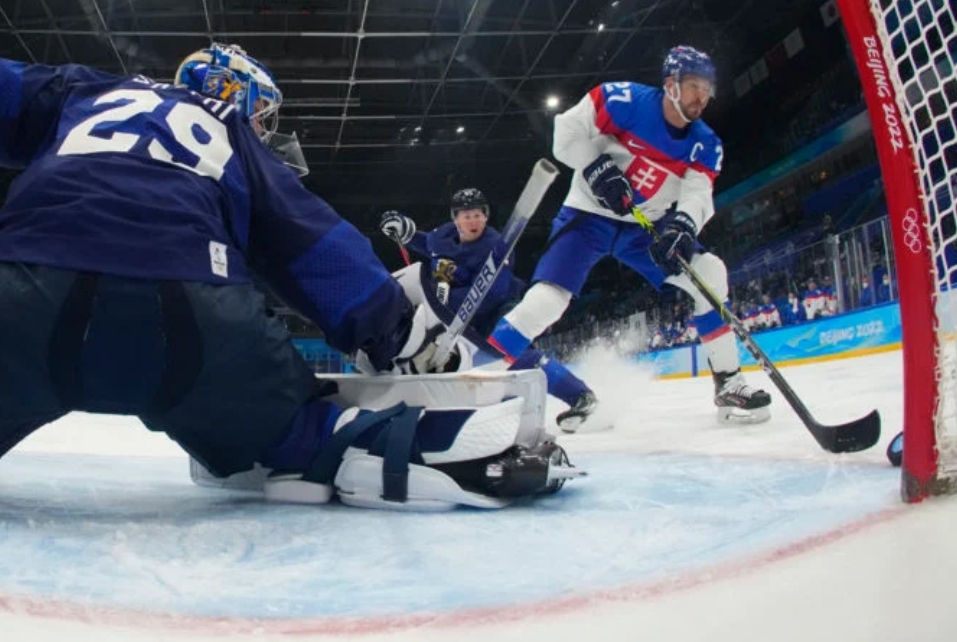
(576, 416)
(738, 402)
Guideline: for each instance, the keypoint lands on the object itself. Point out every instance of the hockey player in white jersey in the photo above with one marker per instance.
(640, 153)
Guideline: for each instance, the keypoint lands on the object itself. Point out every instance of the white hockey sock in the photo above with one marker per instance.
(543, 305)
(723, 353)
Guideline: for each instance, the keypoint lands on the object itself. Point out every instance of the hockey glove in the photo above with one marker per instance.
(676, 239)
(609, 185)
(397, 227)
(415, 354)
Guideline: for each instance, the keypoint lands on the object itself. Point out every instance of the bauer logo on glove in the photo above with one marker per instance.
(611, 188)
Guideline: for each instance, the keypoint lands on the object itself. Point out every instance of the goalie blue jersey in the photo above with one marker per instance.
(133, 178)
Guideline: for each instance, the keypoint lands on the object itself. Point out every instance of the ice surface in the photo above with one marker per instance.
(685, 530)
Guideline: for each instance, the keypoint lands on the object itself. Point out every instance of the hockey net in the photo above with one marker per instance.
(905, 52)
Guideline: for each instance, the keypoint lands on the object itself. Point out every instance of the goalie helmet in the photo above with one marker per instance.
(687, 61)
(228, 73)
(469, 198)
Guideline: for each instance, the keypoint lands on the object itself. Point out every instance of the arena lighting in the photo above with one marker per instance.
(552, 102)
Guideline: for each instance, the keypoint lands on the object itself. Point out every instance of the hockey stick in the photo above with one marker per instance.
(405, 254)
(852, 436)
(543, 174)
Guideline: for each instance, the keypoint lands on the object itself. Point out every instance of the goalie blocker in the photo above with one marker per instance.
(427, 442)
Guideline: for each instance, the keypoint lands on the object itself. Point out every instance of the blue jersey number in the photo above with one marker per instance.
(190, 126)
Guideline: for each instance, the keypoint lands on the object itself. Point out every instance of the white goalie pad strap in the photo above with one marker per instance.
(359, 483)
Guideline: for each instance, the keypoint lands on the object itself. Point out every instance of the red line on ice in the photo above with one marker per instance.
(229, 626)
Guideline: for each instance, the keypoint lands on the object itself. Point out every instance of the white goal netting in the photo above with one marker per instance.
(919, 41)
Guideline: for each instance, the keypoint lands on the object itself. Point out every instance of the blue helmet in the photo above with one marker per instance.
(683, 60)
(228, 73)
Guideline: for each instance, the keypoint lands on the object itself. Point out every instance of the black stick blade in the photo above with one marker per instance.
(851, 437)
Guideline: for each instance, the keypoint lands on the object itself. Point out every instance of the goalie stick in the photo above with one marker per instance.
(849, 437)
(543, 174)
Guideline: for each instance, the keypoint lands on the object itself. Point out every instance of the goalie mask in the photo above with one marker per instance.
(228, 73)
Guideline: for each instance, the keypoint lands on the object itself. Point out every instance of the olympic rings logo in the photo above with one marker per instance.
(912, 231)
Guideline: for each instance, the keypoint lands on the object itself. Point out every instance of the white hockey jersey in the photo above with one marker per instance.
(626, 121)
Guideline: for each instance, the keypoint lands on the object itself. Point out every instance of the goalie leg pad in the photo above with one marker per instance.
(379, 459)
(433, 391)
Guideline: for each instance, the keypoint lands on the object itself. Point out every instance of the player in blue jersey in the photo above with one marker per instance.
(456, 252)
(126, 247)
(639, 152)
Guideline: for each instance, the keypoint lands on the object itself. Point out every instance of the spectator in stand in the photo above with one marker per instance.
(657, 341)
(815, 301)
(671, 334)
(678, 327)
(884, 290)
(794, 313)
(768, 315)
(830, 297)
(691, 330)
(736, 309)
(749, 315)
(868, 298)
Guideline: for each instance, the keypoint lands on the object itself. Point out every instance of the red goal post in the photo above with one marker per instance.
(905, 52)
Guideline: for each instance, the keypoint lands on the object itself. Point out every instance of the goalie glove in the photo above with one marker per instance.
(676, 240)
(418, 349)
(398, 227)
(609, 185)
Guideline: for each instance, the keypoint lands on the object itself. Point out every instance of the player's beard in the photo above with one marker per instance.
(693, 109)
